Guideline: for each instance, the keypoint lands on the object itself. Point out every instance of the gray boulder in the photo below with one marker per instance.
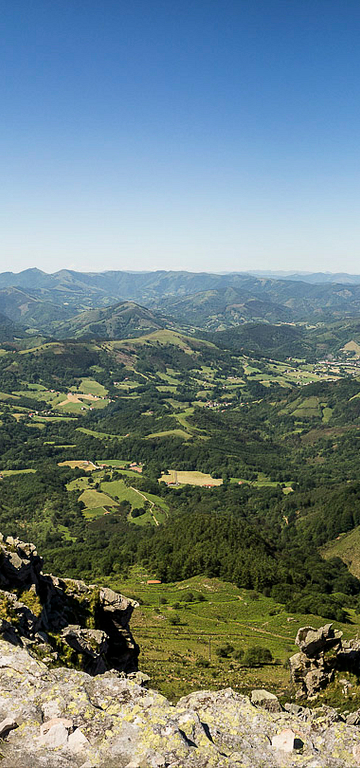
(266, 700)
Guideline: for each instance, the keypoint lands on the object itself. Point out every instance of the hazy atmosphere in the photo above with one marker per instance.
(156, 134)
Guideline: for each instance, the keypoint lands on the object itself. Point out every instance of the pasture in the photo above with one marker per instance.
(91, 387)
(181, 654)
(95, 499)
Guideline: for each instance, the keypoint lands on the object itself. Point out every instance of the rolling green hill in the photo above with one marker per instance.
(284, 340)
(10, 330)
(123, 320)
(347, 547)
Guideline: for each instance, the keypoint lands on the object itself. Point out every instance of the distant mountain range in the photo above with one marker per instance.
(309, 277)
(89, 303)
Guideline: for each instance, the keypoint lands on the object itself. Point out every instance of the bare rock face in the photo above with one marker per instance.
(313, 641)
(322, 654)
(63, 619)
(63, 718)
(20, 564)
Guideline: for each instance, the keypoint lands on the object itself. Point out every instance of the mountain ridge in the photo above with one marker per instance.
(122, 320)
(203, 300)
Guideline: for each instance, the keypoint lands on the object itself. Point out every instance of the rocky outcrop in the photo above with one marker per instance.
(63, 718)
(322, 654)
(62, 619)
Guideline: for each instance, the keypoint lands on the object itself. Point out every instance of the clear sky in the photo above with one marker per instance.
(180, 134)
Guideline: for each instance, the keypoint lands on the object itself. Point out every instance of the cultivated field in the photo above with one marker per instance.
(88, 466)
(189, 478)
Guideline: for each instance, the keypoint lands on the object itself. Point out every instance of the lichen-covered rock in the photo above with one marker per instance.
(286, 741)
(69, 719)
(65, 619)
(266, 700)
(322, 654)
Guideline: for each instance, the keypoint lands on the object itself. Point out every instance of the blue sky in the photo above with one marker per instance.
(180, 134)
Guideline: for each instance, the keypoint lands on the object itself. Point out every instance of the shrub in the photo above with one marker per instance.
(239, 654)
(224, 651)
(175, 620)
(137, 512)
(204, 663)
(256, 655)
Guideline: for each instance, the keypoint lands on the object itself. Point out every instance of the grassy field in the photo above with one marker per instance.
(95, 499)
(162, 337)
(91, 387)
(347, 547)
(121, 492)
(181, 657)
(6, 396)
(117, 463)
(7, 472)
(100, 435)
(189, 478)
(92, 512)
(52, 419)
(79, 484)
(304, 406)
(145, 519)
(113, 492)
(168, 378)
(176, 432)
(261, 482)
(182, 418)
(79, 404)
(158, 501)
